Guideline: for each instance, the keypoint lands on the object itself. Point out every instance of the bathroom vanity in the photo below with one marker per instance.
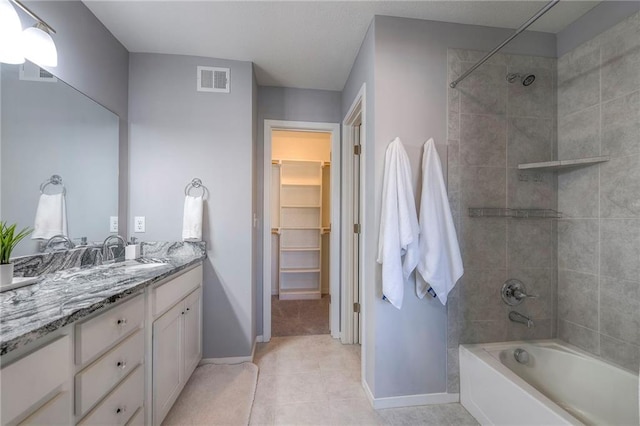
(111, 344)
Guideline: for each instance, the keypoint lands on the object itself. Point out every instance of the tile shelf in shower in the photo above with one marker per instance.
(558, 165)
(515, 213)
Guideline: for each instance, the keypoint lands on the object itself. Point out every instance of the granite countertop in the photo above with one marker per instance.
(60, 298)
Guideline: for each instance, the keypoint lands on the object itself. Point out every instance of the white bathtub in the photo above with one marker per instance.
(559, 385)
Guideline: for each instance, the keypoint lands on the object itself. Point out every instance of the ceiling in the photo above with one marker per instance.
(303, 44)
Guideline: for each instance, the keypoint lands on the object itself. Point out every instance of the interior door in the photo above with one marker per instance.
(356, 235)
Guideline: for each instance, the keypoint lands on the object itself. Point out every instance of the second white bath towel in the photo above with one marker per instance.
(192, 222)
(51, 217)
(440, 263)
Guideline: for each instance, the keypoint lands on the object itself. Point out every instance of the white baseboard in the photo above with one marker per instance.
(233, 359)
(226, 360)
(409, 400)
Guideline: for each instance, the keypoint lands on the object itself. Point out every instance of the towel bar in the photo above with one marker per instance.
(195, 183)
(53, 180)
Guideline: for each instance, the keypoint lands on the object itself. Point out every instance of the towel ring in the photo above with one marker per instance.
(53, 180)
(195, 183)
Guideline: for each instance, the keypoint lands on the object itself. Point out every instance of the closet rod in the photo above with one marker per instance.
(523, 27)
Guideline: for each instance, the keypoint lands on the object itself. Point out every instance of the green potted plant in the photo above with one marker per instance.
(8, 241)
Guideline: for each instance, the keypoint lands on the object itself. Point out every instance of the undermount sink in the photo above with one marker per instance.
(139, 266)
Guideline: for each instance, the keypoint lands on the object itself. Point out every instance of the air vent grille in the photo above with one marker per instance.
(32, 72)
(213, 79)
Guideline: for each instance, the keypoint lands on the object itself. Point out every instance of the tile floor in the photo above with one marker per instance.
(315, 380)
(299, 317)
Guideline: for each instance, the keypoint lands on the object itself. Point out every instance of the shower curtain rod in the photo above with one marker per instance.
(523, 27)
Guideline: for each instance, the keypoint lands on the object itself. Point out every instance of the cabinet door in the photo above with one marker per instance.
(192, 332)
(167, 361)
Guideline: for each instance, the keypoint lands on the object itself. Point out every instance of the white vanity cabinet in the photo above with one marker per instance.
(125, 364)
(177, 338)
(109, 353)
(36, 389)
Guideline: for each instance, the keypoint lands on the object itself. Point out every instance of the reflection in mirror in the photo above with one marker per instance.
(48, 128)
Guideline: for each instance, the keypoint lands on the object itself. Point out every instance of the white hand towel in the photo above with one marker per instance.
(192, 222)
(398, 224)
(51, 217)
(440, 264)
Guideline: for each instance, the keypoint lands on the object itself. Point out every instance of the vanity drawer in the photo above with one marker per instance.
(55, 412)
(121, 404)
(138, 418)
(170, 293)
(30, 379)
(97, 334)
(101, 376)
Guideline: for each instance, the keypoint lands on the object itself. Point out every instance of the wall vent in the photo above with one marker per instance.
(32, 72)
(212, 79)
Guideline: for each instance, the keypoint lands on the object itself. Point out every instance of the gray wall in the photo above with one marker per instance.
(602, 17)
(176, 134)
(493, 127)
(93, 61)
(50, 128)
(363, 72)
(410, 78)
(284, 103)
(599, 241)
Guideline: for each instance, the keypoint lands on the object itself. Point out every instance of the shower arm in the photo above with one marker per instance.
(523, 27)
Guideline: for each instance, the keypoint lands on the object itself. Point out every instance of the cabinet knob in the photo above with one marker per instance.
(122, 322)
(121, 410)
(188, 309)
(121, 364)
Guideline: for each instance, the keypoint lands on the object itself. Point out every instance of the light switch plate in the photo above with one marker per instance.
(113, 223)
(139, 224)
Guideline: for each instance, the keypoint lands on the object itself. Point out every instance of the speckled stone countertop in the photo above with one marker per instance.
(60, 298)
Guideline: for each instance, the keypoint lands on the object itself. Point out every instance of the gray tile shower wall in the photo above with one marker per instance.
(493, 126)
(599, 238)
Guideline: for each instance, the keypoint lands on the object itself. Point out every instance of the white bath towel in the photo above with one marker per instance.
(51, 217)
(192, 221)
(398, 249)
(440, 264)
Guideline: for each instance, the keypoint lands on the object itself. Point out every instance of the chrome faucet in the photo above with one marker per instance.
(107, 252)
(67, 242)
(522, 319)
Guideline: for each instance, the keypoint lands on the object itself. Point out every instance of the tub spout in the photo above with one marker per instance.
(522, 319)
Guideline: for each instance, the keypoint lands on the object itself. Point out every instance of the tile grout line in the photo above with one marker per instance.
(599, 196)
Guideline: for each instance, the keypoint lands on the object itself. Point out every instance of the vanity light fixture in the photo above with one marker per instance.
(10, 31)
(34, 43)
(38, 46)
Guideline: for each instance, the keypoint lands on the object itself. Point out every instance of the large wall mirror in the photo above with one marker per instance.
(48, 128)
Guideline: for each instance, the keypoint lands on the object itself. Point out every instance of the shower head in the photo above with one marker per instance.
(525, 79)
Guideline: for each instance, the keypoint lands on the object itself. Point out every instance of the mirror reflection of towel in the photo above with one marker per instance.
(192, 222)
(51, 217)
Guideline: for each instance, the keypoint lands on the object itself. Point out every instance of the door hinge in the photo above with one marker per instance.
(356, 308)
(357, 149)
(356, 228)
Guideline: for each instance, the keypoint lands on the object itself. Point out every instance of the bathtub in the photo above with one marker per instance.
(559, 385)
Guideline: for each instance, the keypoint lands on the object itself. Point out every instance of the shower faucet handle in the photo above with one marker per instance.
(513, 292)
(518, 294)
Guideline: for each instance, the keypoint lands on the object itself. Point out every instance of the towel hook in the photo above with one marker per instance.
(195, 183)
(53, 180)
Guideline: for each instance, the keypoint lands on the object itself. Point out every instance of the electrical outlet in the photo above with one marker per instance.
(139, 225)
(113, 224)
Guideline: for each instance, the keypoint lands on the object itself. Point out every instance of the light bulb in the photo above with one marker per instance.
(10, 34)
(38, 46)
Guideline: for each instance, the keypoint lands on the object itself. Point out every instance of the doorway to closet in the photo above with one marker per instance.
(301, 227)
(301, 266)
